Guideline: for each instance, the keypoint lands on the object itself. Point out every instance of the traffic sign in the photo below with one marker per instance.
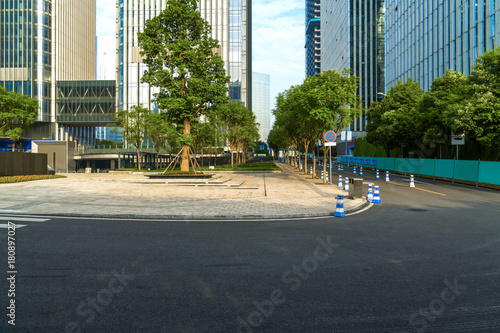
(330, 136)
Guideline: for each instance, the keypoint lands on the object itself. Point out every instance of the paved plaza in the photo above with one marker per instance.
(254, 195)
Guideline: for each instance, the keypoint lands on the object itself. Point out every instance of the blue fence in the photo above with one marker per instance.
(485, 172)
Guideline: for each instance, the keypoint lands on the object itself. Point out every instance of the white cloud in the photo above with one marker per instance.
(105, 17)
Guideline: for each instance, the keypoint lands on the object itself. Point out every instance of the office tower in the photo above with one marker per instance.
(425, 38)
(42, 42)
(231, 26)
(353, 37)
(106, 70)
(261, 105)
(313, 37)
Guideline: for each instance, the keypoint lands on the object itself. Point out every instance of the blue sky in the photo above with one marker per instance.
(278, 39)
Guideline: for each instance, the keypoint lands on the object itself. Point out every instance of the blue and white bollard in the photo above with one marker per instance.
(376, 196)
(412, 181)
(378, 175)
(311, 170)
(346, 187)
(354, 171)
(340, 181)
(370, 193)
(339, 211)
(361, 171)
(327, 177)
(339, 167)
(321, 174)
(387, 176)
(342, 168)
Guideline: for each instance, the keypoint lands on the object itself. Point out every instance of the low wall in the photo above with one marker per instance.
(19, 164)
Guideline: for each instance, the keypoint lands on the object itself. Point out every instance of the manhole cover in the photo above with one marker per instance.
(417, 210)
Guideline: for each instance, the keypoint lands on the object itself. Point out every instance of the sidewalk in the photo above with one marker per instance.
(262, 195)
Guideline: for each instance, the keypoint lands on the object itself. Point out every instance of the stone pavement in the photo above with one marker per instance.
(262, 195)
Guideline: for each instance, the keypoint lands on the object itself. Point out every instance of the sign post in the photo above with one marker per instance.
(457, 140)
(330, 137)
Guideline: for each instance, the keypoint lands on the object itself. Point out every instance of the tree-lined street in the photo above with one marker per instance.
(426, 260)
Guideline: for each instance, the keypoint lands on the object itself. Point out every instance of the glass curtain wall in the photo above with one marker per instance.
(425, 38)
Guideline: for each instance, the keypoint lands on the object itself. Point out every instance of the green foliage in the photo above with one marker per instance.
(17, 114)
(392, 121)
(480, 115)
(238, 125)
(132, 125)
(109, 143)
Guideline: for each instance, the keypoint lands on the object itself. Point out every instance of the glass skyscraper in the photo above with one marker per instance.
(425, 38)
(42, 42)
(313, 37)
(353, 37)
(261, 104)
(231, 26)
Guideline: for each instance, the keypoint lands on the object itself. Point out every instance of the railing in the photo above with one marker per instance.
(111, 150)
(478, 172)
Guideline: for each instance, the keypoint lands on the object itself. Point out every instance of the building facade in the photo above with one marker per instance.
(313, 37)
(261, 87)
(425, 38)
(354, 38)
(231, 26)
(42, 42)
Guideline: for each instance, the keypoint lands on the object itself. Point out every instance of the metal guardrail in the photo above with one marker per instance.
(83, 151)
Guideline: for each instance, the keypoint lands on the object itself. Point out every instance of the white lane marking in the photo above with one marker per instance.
(360, 211)
(24, 219)
(5, 226)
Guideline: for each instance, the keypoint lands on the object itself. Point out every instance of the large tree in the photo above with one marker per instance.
(333, 102)
(17, 114)
(183, 63)
(132, 125)
(395, 118)
(438, 110)
(480, 116)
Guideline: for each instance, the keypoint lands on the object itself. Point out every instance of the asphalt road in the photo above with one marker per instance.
(425, 260)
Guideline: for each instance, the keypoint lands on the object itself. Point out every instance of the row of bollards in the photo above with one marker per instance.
(373, 190)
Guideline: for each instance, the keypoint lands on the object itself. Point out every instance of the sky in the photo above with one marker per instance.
(278, 39)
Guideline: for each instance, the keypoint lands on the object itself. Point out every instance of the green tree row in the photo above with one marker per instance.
(305, 112)
(417, 121)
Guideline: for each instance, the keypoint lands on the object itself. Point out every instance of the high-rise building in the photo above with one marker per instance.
(353, 38)
(231, 26)
(43, 42)
(425, 38)
(106, 70)
(261, 105)
(313, 37)
(105, 57)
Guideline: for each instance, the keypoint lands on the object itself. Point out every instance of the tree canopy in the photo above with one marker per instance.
(17, 114)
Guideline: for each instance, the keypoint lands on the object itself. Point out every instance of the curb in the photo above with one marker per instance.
(194, 217)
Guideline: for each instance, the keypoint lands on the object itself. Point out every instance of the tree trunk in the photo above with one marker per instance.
(13, 146)
(232, 152)
(185, 147)
(138, 158)
(314, 166)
